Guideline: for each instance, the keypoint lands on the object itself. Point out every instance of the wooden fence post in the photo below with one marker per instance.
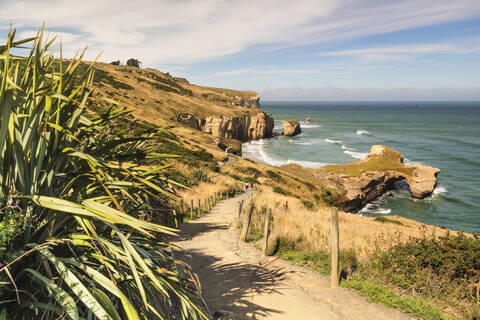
(246, 223)
(199, 207)
(240, 206)
(265, 232)
(335, 249)
(214, 197)
(221, 194)
(191, 209)
(205, 205)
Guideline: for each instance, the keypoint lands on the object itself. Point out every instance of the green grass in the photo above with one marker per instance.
(418, 307)
(387, 220)
(279, 190)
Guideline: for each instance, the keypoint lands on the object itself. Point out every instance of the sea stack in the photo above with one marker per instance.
(308, 120)
(291, 128)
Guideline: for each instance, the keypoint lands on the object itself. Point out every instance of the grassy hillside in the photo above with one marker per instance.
(159, 97)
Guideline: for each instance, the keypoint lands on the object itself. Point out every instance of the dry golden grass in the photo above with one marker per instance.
(219, 184)
(312, 228)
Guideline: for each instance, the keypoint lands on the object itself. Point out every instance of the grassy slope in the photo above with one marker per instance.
(157, 97)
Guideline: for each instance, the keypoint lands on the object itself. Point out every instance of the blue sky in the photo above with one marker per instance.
(285, 50)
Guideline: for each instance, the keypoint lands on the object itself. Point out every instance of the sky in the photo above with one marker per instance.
(282, 49)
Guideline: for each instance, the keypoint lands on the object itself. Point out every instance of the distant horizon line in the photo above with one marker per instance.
(370, 101)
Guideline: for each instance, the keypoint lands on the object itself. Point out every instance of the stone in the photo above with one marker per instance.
(308, 120)
(189, 120)
(224, 315)
(291, 128)
(220, 145)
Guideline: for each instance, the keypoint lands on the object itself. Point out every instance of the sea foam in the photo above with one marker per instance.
(257, 152)
(333, 141)
(439, 190)
(356, 155)
(363, 133)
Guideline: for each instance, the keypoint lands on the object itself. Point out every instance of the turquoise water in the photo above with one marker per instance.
(439, 134)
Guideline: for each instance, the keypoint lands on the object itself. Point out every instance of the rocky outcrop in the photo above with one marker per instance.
(244, 128)
(308, 120)
(189, 120)
(250, 102)
(358, 183)
(291, 128)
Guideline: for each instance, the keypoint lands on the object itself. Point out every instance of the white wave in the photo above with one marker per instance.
(356, 155)
(307, 164)
(439, 190)
(375, 209)
(255, 150)
(409, 162)
(363, 132)
(303, 143)
(333, 141)
(306, 142)
(304, 125)
(344, 147)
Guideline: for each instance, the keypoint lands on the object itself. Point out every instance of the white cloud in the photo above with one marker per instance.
(403, 52)
(181, 32)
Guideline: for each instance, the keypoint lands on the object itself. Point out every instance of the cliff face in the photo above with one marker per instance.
(244, 128)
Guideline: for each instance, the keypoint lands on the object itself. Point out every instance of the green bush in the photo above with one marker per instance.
(198, 176)
(327, 197)
(274, 176)
(278, 189)
(308, 204)
(386, 220)
(442, 267)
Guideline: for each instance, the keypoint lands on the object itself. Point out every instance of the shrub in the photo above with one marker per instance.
(442, 267)
(199, 175)
(386, 220)
(278, 189)
(274, 176)
(308, 204)
(327, 197)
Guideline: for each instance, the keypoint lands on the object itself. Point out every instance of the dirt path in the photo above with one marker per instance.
(236, 279)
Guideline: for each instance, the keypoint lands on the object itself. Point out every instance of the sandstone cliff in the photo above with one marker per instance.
(360, 182)
(243, 128)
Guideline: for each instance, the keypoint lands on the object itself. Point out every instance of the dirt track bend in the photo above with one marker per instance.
(236, 279)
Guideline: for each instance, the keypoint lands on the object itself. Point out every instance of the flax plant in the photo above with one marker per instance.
(80, 252)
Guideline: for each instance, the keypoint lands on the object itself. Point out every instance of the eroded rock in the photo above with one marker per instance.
(291, 128)
(362, 181)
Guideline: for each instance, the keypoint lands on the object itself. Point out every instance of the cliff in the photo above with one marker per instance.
(244, 128)
(162, 99)
(357, 183)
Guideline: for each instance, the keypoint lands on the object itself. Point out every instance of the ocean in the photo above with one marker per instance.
(445, 135)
